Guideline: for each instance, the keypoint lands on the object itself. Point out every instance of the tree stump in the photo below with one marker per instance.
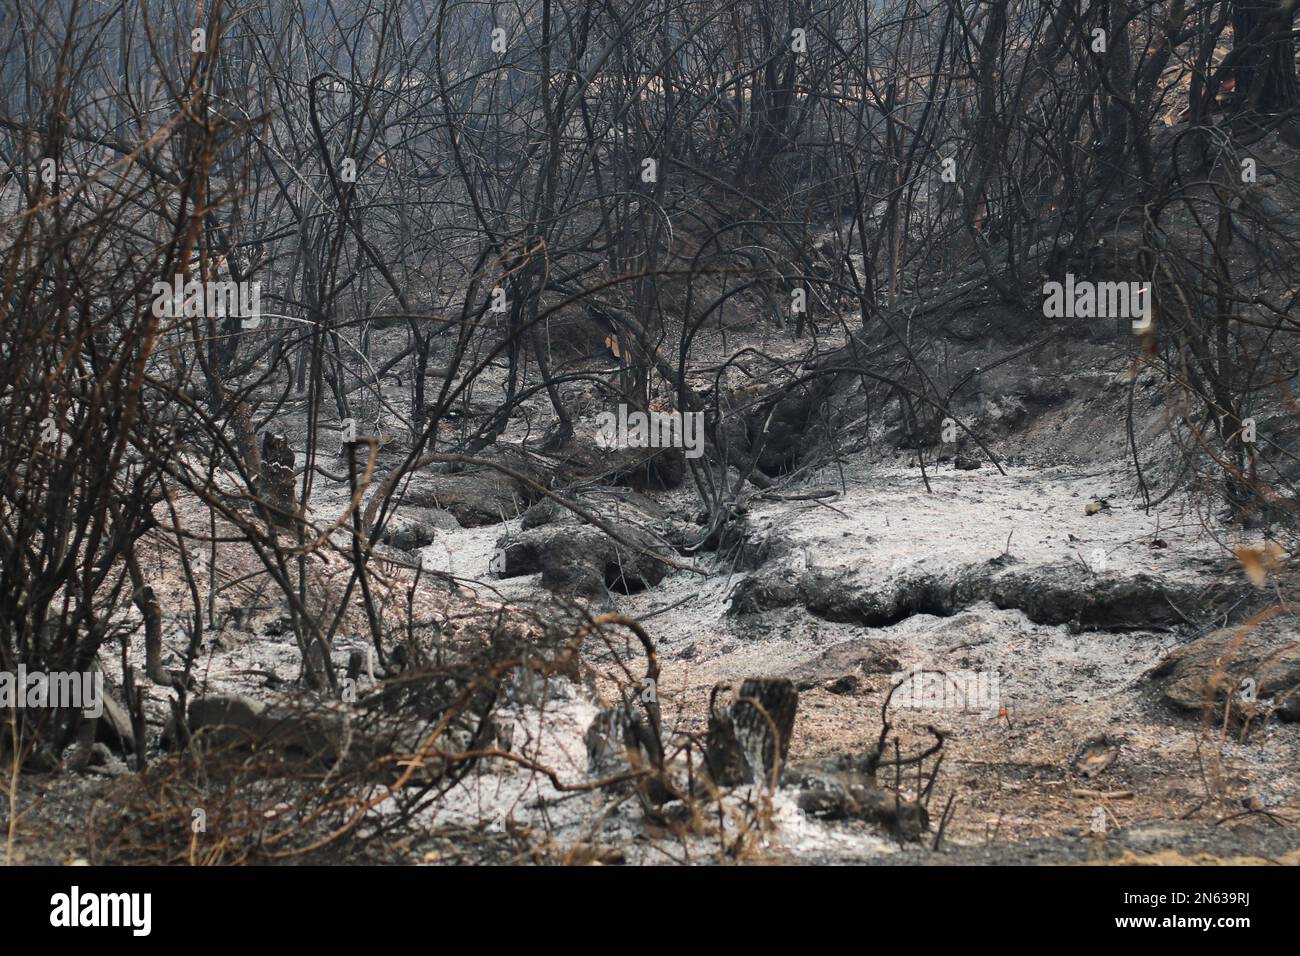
(279, 504)
(620, 740)
(749, 731)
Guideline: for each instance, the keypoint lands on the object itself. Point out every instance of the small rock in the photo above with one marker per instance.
(279, 627)
(413, 528)
(1095, 755)
(847, 684)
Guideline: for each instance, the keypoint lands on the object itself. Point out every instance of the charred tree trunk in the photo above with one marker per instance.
(1264, 50)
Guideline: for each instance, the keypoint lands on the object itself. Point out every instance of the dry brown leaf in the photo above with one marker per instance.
(1259, 562)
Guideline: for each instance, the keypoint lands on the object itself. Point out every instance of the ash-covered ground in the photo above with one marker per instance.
(1045, 576)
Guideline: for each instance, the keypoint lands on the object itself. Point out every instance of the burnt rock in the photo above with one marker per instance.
(230, 723)
(1256, 667)
(478, 495)
(414, 528)
(847, 660)
(1059, 593)
(584, 560)
(843, 788)
(748, 544)
(779, 430)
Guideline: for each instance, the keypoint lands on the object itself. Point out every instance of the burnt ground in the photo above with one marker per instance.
(841, 577)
